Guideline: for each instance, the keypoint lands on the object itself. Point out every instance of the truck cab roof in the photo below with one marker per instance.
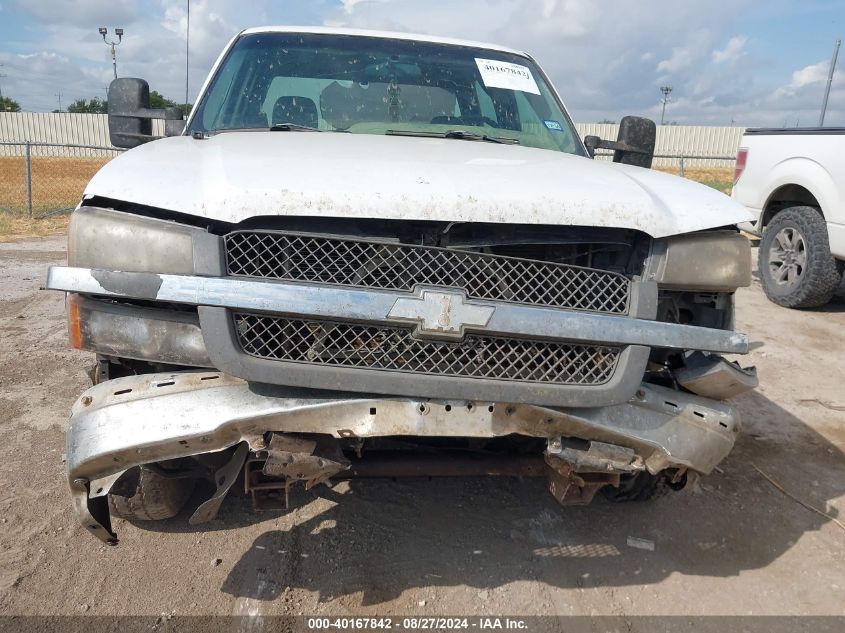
(395, 35)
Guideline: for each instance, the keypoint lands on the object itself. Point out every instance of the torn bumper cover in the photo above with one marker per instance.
(138, 420)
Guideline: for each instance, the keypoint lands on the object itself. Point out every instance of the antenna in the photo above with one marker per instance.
(829, 80)
(59, 95)
(187, 55)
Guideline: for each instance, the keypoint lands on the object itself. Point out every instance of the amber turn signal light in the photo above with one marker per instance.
(74, 322)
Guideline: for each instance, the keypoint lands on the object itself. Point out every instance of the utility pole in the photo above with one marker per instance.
(666, 90)
(829, 80)
(119, 32)
(59, 95)
(1, 77)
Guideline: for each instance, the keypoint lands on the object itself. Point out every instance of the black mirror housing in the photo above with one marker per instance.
(128, 96)
(634, 143)
(130, 116)
(592, 143)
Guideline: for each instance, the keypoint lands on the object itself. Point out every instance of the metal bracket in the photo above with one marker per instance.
(313, 461)
(570, 488)
(92, 513)
(598, 457)
(223, 478)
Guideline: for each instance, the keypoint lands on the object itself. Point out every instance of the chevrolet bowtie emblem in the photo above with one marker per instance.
(440, 313)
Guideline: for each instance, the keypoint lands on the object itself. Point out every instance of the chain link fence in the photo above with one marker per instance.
(40, 180)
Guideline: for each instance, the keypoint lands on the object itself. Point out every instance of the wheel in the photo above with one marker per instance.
(143, 495)
(643, 487)
(796, 267)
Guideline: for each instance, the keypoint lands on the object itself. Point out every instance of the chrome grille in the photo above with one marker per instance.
(394, 349)
(394, 266)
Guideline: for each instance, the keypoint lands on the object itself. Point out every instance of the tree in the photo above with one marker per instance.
(157, 100)
(9, 105)
(90, 106)
(606, 121)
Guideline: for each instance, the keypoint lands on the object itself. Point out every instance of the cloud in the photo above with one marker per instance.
(692, 53)
(153, 46)
(807, 76)
(733, 51)
(681, 58)
(349, 5)
(606, 59)
(84, 13)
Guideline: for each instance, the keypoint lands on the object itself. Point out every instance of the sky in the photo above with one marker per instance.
(740, 62)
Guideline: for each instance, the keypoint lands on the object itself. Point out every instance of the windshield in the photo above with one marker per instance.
(371, 85)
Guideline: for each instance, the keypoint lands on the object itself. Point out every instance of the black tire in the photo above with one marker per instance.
(817, 279)
(143, 495)
(642, 487)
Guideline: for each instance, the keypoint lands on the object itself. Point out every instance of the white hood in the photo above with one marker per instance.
(238, 175)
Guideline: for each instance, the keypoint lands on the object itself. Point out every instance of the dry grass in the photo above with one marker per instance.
(57, 182)
(13, 227)
(721, 178)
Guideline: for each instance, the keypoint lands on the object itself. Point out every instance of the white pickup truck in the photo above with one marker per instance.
(793, 181)
(370, 254)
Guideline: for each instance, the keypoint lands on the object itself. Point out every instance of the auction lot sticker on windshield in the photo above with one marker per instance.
(506, 75)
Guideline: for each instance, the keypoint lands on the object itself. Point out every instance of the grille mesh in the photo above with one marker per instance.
(387, 348)
(347, 262)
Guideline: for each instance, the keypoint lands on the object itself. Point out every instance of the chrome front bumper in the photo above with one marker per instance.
(138, 420)
(218, 298)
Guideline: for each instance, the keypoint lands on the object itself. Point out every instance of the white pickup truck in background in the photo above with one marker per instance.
(793, 181)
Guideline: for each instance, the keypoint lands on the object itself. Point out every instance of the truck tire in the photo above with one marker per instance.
(143, 495)
(642, 487)
(796, 267)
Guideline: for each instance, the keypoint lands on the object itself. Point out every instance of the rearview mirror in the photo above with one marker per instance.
(634, 143)
(130, 116)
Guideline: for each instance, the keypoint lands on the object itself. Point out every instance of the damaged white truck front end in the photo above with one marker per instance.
(426, 273)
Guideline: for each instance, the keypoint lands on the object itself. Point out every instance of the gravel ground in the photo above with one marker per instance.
(734, 545)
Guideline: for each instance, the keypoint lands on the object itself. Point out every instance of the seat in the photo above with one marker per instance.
(296, 110)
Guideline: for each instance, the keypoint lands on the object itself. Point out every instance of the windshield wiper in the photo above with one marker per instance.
(458, 134)
(292, 127)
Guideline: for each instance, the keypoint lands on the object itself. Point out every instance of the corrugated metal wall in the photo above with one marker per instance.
(60, 128)
(690, 141)
(92, 130)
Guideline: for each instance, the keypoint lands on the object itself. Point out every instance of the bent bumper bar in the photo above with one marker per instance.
(143, 419)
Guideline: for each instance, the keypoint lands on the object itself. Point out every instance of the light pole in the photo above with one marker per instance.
(665, 90)
(119, 32)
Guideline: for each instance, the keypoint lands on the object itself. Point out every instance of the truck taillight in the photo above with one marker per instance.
(741, 159)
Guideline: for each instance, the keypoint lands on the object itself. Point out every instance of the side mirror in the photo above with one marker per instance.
(634, 144)
(130, 116)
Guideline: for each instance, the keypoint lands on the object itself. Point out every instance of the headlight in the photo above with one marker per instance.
(712, 261)
(114, 240)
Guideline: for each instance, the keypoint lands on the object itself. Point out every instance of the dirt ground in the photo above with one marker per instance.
(734, 545)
